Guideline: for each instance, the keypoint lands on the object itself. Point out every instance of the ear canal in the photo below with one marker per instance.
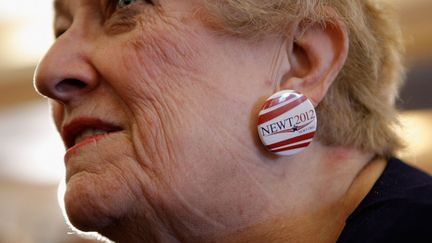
(300, 63)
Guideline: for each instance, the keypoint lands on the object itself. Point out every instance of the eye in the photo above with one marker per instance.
(125, 3)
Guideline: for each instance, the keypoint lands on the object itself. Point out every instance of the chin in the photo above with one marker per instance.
(92, 205)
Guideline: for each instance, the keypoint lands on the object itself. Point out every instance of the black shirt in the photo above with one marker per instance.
(397, 209)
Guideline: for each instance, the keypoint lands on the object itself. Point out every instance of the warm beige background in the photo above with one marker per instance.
(31, 154)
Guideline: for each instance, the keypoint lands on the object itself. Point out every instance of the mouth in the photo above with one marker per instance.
(82, 130)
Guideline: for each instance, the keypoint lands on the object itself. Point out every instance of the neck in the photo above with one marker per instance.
(317, 194)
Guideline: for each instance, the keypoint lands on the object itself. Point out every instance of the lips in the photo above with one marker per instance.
(82, 129)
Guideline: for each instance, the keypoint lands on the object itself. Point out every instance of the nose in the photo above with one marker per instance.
(66, 72)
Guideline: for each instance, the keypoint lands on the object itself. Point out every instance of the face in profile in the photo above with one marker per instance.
(156, 110)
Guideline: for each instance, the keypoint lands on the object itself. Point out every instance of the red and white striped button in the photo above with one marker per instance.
(287, 123)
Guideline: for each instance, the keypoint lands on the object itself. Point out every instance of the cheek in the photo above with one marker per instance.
(163, 55)
(159, 81)
(172, 94)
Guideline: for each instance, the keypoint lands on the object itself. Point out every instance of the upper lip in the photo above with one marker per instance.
(73, 129)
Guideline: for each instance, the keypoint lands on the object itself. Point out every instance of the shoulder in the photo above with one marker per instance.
(400, 181)
(397, 209)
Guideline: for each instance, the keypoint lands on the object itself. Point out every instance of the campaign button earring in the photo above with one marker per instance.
(287, 123)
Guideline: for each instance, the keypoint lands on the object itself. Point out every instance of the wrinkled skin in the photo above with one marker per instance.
(186, 165)
(186, 99)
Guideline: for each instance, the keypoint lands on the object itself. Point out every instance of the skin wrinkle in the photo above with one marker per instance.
(218, 226)
(146, 101)
(166, 144)
(231, 228)
(98, 212)
(223, 138)
(170, 26)
(244, 166)
(150, 226)
(155, 106)
(154, 51)
(138, 140)
(139, 45)
(276, 203)
(151, 223)
(167, 52)
(189, 207)
(143, 192)
(116, 169)
(183, 95)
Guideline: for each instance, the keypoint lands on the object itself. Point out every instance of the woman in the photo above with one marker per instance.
(158, 103)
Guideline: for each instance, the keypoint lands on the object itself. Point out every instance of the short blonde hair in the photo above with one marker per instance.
(358, 110)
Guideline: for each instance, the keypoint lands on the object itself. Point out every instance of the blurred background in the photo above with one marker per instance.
(31, 153)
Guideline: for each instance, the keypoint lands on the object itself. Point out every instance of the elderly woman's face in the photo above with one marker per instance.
(157, 111)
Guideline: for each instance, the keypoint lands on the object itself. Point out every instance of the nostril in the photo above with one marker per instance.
(70, 85)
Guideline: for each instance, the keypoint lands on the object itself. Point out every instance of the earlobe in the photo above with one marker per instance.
(316, 55)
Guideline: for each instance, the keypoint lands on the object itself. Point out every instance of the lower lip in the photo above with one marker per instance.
(84, 142)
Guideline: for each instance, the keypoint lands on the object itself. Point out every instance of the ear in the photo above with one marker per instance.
(316, 54)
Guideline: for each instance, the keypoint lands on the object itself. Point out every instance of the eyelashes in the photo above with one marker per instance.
(126, 3)
(125, 6)
(117, 14)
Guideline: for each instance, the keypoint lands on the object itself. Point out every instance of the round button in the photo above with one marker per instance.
(287, 123)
